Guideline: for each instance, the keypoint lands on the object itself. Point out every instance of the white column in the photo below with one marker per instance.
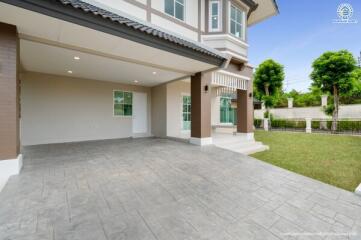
(324, 100)
(265, 124)
(308, 125)
(290, 102)
(263, 106)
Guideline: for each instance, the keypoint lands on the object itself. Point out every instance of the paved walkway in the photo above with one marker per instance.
(158, 189)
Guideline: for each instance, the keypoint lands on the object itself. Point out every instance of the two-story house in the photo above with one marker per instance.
(74, 70)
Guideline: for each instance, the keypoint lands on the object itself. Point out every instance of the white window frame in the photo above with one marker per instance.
(181, 112)
(243, 24)
(122, 116)
(174, 10)
(210, 27)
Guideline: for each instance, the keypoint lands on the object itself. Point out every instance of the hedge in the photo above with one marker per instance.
(283, 123)
(343, 125)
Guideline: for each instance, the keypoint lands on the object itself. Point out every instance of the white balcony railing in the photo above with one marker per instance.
(230, 80)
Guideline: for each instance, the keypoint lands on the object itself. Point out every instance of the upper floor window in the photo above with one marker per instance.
(175, 8)
(237, 22)
(214, 15)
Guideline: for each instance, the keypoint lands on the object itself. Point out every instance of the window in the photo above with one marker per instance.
(186, 113)
(122, 103)
(214, 16)
(237, 26)
(227, 112)
(175, 8)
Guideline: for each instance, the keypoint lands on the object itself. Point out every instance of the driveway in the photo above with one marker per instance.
(159, 189)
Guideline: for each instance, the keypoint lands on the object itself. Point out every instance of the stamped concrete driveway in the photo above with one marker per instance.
(158, 189)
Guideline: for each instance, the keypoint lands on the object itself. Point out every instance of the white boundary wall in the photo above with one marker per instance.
(346, 111)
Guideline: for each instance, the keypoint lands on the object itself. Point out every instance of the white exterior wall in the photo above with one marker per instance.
(346, 111)
(215, 108)
(175, 92)
(174, 27)
(191, 12)
(58, 109)
(140, 12)
(122, 6)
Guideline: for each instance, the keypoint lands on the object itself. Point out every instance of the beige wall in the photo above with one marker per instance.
(159, 111)
(60, 109)
(175, 92)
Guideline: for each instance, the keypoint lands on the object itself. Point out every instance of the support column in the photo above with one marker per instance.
(10, 158)
(245, 108)
(201, 109)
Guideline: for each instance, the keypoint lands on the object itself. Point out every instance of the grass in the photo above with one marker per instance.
(333, 159)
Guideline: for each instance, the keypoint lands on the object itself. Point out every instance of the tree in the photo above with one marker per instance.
(268, 81)
(333, 74)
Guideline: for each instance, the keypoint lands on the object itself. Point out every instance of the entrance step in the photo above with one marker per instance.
(238, 144)
(244, 147)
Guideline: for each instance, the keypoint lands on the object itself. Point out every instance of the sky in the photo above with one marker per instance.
(300, 33)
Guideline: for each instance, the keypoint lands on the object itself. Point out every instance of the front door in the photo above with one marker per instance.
(140, 116)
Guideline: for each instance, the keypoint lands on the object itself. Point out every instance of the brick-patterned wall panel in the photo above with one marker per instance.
(9, 92)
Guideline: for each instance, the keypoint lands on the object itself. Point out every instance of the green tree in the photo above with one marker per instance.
(333, 74)
(268, 81)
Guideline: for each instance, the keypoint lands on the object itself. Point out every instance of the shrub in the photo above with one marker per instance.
(257, 123)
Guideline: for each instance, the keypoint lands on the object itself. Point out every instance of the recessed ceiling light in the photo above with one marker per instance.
(70, 72)
(154, 73)
(76, 58)
(135, 81)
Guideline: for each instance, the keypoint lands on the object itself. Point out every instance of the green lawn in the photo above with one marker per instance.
(332, 159)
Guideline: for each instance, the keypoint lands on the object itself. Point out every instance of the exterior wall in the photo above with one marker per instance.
(153, 12)
(9, 92)
(191, 11)
(174, 27)
(194, 25)
(346, 111)
(159, 111)
(58, 109)
(215, 108)
(134, 7)
(170, 124)
(175, 92)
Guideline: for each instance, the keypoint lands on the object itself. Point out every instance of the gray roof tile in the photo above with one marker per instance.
(88, 8)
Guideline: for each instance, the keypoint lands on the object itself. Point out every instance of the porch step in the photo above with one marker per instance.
(244, 147)
(238, 144)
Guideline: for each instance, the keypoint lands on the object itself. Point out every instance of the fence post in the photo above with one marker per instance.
(324, 100)
(290, 102)
(308, 125)
(265, 124)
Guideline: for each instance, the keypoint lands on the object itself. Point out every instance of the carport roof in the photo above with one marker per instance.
(91, 16)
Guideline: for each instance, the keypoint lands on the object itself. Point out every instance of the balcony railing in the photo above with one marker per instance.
(230, 80)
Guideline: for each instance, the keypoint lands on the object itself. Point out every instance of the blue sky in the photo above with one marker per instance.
(300, 33)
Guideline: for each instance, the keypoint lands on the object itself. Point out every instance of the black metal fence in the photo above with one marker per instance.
(352, 127)
(344, 126)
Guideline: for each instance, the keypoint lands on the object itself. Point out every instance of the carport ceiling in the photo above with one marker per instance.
(49, 45)
(38, 57)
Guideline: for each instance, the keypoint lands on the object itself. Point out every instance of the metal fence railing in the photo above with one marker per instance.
(344, 126)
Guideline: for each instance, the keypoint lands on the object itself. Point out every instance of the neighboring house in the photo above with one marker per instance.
(84, 70)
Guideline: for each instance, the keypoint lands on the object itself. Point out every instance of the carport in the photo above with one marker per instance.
(63, 64)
